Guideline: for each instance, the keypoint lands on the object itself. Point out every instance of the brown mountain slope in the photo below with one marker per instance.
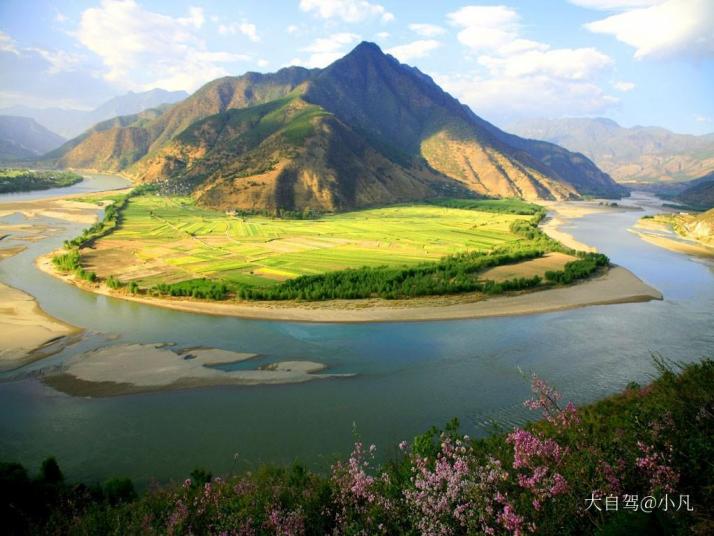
(215, 97)
(366, 130)
(286, 154)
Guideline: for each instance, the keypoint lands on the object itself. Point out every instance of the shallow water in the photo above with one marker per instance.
(409, 375)
(91, 183)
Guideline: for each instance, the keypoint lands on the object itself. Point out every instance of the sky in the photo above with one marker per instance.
(639, 62)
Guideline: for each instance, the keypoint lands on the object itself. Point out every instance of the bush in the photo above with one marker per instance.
(119, 490)
(580, 269)
(195, 288)
(114, 283)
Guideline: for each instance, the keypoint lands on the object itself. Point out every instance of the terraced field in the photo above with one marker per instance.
(171, 239)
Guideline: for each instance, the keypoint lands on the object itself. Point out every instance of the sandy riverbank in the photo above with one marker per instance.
(676, 245)
(27, 333)
(617, 285)
(133, 368)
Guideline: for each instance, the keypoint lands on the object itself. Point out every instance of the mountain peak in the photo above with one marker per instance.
(367, 47)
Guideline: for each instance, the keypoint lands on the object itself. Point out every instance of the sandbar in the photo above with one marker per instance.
(134, 368)
(27, 333)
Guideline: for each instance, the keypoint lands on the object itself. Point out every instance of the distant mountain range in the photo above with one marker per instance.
(24, 138)
(637, 154)
(365, 130)
(70, 123)
(697, 193)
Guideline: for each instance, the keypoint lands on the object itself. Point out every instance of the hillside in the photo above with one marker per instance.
(366, 130)
(699, 193)
(70, 122)
(23, 138)
(699, 227)
(637, 154)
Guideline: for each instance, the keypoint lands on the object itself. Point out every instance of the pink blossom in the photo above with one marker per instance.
(656, 467)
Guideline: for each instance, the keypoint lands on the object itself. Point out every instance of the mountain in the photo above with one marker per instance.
(365, 130)
(637, 154)
(70, 123)
(698, 193)
(23, 138)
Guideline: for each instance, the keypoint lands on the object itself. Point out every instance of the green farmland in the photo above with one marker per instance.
(170, 239)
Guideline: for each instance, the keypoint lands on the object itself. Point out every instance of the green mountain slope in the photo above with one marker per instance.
(366, 130)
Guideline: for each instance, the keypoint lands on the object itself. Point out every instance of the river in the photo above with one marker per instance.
(409, 376)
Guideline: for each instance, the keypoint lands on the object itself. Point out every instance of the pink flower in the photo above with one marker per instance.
(656, 467)
(547, 401)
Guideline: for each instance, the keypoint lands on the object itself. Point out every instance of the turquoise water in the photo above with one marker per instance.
(409, 376)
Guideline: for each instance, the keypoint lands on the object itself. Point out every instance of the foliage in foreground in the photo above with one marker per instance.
(25, 180)
(646, 446)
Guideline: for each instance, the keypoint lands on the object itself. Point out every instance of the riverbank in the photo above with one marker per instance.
(28, 333)
(617, 285)
(661, 234)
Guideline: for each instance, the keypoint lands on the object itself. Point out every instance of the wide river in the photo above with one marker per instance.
(409, 376)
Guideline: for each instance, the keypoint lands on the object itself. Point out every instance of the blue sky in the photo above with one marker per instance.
(645, 62)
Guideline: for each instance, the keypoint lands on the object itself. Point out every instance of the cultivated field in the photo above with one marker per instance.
(171, 239)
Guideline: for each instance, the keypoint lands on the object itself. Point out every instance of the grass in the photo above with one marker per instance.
(25, 180)
(193, 243)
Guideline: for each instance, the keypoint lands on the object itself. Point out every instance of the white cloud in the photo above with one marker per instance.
(426, 30)
(60, 17)
(613, 5)
(195, 17)
(671, 28)
(563, 63)
(325, 50)
(246, 28)
(520, 74)
(527, 96)
(59, 60)
(415, 49)
(705, 119)
(7, 44)
(383, 35)
(485, 27)
(142, 49)
(347, 10)
(623, 86)
(262, 62)
(292, 29)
